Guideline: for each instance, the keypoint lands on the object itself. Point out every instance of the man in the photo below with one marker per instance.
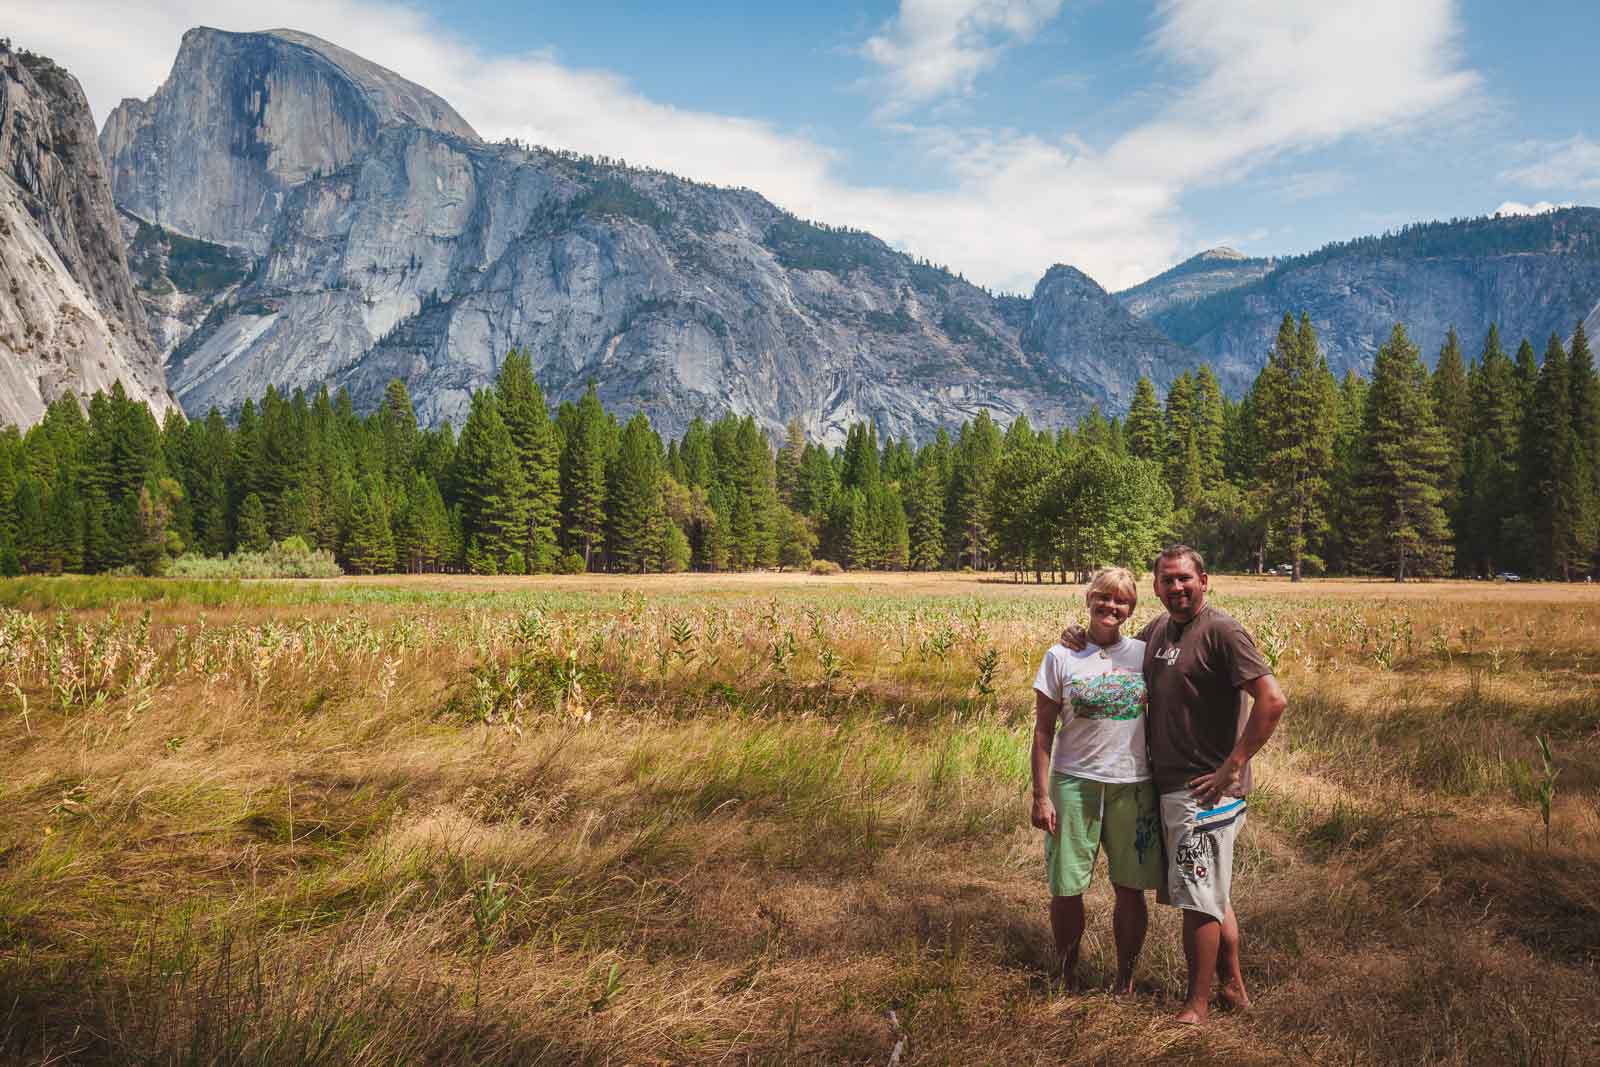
(1199, 667)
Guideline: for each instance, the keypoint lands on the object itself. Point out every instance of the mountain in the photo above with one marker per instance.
(1088, 334)
(69, 319)
(1533, 275)
(386, 239)
(1213, 271)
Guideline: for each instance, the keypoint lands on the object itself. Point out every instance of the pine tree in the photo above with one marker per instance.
(1210, 423)
(1451, 407)
(1585, 391)
(925, 516)
(583, 477)
(397, 432)
(494, 490)
(1557, 489)
(527, 417)
(1496, 534)
(1403, 460)
(789, 459)
(1180, 437)
(369, 549)
(967, 518)
(1297, 408)
(1146, 428)
(637, 524)
(252, 535)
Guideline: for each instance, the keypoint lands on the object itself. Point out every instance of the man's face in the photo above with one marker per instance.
(1181, 586)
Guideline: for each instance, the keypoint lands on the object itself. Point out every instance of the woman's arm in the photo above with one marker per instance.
(1045, 713)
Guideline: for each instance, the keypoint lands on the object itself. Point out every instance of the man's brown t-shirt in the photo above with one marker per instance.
(1197, 711)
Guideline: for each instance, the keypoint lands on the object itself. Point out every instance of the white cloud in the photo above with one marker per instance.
(1260, 79)
(934, 47)
(1570, 164)
(1513, 207)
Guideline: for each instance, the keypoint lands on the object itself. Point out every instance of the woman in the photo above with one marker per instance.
(1097, 788)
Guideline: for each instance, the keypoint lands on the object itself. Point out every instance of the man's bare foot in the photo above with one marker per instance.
(1234, 998)
(1192, 1015)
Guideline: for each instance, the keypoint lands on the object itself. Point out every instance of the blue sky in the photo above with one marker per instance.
(996, 136)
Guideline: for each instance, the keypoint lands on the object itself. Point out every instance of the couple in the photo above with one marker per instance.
(1163, 791)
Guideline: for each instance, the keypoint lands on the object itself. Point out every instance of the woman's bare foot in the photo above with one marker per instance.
(1234, 997)
(1192, 1015)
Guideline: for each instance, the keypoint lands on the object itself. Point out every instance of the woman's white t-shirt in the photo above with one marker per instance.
(1102, 697)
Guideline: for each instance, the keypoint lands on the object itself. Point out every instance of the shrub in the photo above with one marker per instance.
(515, 564)
(289, 558)
(10, 565)
(825, 567)
(571, 563)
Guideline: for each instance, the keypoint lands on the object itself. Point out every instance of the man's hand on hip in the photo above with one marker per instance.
(1211, 788)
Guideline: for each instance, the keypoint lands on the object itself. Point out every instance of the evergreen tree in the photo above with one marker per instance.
(369, 549)
(1494, 535)
(637, 522)
(1297, 408)
(422, 530)
(252, 533)
(1557, 489)
(493, 488)
(583, 476)
(925, 516)
(1181, 445)
(397, 432)
(1210, 423)
(1403, 461)
(527, 417)
(1585, 391)
(1451, 407)
(1146, 429)
(967, 518)
(789, 460)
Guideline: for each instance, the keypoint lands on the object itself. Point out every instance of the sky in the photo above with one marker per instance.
(996, 137)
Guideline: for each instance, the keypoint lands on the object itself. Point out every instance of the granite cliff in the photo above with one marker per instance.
(69, 319)
(1213, 271)
(388, 240)
(1533, 275)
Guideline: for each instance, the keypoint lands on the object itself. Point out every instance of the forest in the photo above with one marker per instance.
(1482, 465)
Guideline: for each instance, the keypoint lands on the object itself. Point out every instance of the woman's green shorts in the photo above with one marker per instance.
(1123, 816)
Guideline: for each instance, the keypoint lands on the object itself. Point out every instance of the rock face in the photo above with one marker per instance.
(1532, 275)
(1085, 333)
(69, 319)
(1214, 271)
(401, 245)
(245, 118)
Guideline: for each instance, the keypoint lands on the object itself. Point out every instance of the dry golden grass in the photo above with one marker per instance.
(753, 819)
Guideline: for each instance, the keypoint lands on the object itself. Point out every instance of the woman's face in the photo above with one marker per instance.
(1109, 609)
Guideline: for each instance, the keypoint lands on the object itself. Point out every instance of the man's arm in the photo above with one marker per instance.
(1045, 713)
(1268, 704)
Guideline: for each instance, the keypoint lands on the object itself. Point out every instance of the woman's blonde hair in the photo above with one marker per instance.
(1114, 579)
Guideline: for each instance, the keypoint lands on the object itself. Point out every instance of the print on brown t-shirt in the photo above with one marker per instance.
(1194, 672)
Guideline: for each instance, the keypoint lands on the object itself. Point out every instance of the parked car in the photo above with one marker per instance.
(1507, 576)
(1282, 568)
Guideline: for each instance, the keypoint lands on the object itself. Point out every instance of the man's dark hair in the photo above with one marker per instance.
(1179, 552)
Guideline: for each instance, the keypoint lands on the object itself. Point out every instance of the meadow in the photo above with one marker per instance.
(756, 819)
